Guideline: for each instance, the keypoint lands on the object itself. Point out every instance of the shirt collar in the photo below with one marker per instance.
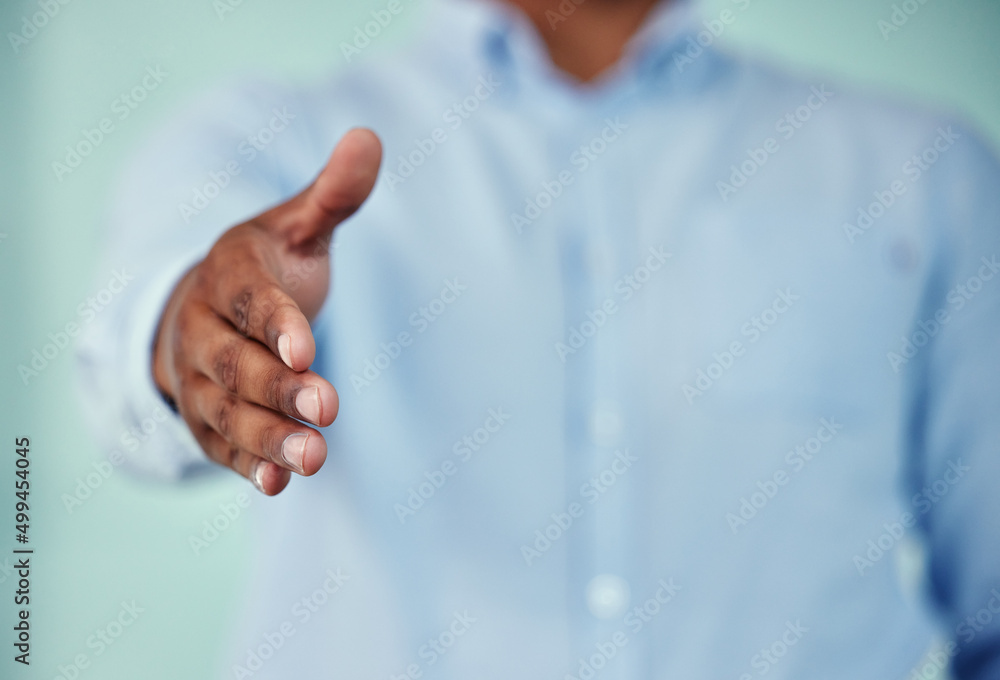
(498, 36)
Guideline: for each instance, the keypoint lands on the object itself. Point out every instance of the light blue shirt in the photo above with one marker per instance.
(660, 378)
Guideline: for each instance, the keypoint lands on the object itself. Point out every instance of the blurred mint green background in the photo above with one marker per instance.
(129, 540)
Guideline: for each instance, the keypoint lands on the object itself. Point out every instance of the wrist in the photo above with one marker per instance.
(160, 355)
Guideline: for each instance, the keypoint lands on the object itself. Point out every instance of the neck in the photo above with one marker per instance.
(586, 39)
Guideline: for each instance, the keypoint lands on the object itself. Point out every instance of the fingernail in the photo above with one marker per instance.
(285, 348)
(307, 404)
(257, 476)
(293, 451)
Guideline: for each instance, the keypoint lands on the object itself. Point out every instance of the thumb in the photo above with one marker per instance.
(339, 190)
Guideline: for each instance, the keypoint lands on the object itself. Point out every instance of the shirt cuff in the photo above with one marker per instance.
(168, 449)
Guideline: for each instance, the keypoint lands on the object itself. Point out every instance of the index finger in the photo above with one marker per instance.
(245, 292)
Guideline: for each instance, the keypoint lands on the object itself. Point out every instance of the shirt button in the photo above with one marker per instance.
(605, 424)
(607, 596)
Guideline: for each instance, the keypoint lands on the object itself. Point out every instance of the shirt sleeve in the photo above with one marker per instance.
(223, 161)
(955, 428)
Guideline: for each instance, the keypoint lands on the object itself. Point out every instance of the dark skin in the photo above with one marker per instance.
(592, 37)
(234, 344)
